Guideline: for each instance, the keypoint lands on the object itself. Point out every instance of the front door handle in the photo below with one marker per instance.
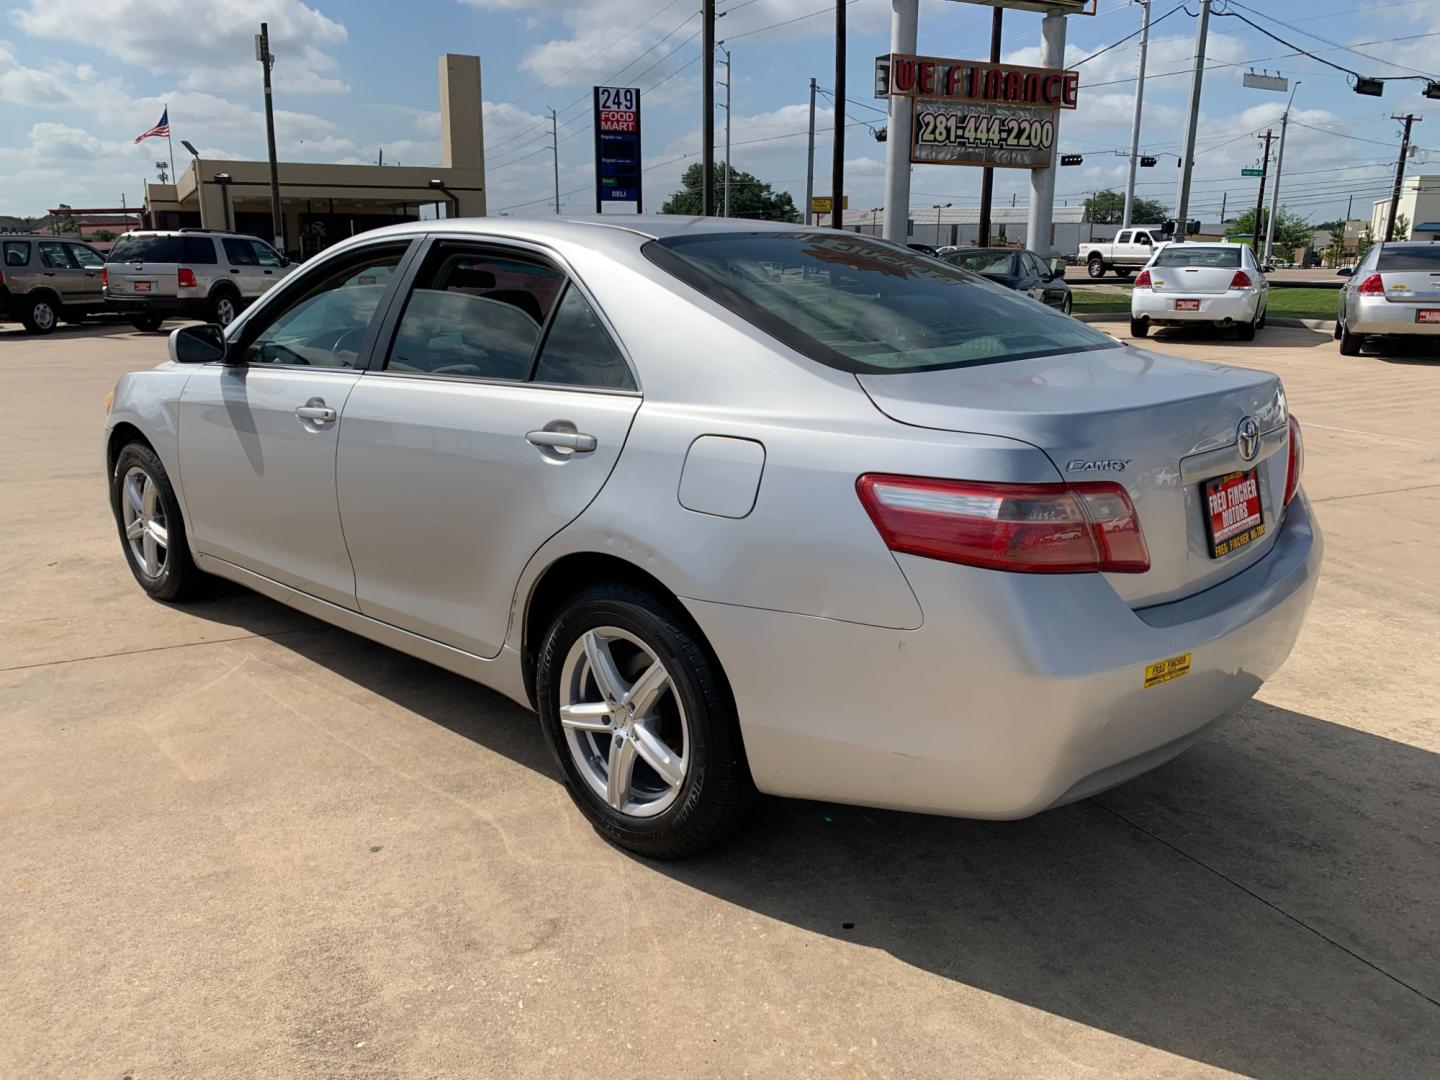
(233, 270)
(564, 440)
(316, 414)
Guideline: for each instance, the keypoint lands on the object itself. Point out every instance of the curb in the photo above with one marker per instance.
(1121, 316)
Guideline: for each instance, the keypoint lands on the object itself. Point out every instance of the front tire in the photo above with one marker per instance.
(642, 724)
(224, 306)
(1067, 306)
(1139, 327)
(1095, 267)
(40, 315)
(152, 532)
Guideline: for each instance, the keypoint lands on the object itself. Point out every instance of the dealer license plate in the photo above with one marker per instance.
(1428, 314)
(1235, 517)
(1187, 305)
(140, 286)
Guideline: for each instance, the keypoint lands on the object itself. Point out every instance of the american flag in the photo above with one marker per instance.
(161, 130)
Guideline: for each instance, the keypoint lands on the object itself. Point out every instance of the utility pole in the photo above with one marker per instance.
(1042, 181)
(1279, 166)
(987, 175)
(1187, 163)
(810, 163)
(837, 166)
(726, 211)
(904, 22)
(1135, 125)
(707, 106)
(1409, 119)
(1224, 195)
(555, 156)
(267, 61)
(1349, 205)
(1260, 200)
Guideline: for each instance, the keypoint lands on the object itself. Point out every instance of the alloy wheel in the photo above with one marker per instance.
(623, 721)
(224, 311)
(144, 519)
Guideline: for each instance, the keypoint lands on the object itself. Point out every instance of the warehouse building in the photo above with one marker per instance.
(323, 204)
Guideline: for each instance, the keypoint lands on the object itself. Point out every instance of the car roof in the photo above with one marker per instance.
(65, 238)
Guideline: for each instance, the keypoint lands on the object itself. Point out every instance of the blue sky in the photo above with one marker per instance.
(79, 79)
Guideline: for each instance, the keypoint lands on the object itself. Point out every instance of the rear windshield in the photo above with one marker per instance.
(867, 306)
(982, 262)
(1226, 258)
(159, 249)
(1415, 258)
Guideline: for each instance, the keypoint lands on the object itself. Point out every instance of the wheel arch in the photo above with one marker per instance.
(121, 435)
(44, 292)
(571, 573)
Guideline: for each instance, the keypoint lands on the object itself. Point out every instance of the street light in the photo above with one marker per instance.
(439, 185)
(938, 207)
(875, 218)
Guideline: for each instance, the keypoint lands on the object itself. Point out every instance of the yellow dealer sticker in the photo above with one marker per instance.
(1164, 671)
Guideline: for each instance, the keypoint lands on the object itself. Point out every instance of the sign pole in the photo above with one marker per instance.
(810, 160)
(1042, 181)
(707, 110)
(1259, 199)
(596, 126)
(837, 176)
(987, 175)
(1135, 125)
(1187, 162)
(904, 31)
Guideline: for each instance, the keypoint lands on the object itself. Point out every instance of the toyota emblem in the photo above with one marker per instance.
(1247, 435)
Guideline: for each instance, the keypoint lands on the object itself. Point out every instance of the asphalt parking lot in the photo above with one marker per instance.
(237, 842)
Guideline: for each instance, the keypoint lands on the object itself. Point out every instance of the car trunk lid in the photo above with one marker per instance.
(1160, 426)
(1191, 280)
(1411, 286)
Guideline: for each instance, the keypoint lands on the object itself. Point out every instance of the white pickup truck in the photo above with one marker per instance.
(1130, 251)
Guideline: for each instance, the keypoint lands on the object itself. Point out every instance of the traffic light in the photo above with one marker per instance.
(1072, 159)
(1147, 162)
(1167, 228)
(1369, 87)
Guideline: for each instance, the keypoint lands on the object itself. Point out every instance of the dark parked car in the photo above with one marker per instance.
(1023, 271)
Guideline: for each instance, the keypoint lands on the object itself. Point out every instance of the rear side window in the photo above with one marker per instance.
(1226, 258)
(983, 262)
(475, 314)
(578, 350)
(239, 252)
(197, 251)
(1415, 258)
(867, 306)
(55, 255)
(152, 249)
(1123, 238)
(17, 252)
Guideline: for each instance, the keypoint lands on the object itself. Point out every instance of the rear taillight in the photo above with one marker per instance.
(1295, 464)
(105, 278)
(1372, 286)
(1143, 280)
(1027, 528)
(1241, 280)
(186, 278)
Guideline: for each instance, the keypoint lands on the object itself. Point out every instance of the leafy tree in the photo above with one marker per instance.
(66, 223)
(1108, 208)
(105, 236)
(1291, 230)
(1335, 228)
(1402, 227)
(1364, 243)
(750, 197)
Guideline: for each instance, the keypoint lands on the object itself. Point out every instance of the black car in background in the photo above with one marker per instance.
(1023, 271)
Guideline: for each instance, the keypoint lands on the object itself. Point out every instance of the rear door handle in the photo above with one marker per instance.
(233, 270)
(566, 440)
(316, 414)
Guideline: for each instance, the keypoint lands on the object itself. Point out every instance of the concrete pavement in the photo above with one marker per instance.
(235, 841)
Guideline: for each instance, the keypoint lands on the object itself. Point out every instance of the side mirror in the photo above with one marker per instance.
(1267, 269)
(202, 344)
(1345, 271)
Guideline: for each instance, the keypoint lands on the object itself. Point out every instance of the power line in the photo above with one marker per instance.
(785, 22)
(1327, 41)
(1114, 44)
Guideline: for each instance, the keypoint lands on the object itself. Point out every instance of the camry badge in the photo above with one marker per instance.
(1107, 465)
(1247, 435)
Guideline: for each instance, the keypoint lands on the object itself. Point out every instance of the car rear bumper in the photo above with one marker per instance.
(1236, 307)
(157, 305)
(1019, 692)
(1381, 316)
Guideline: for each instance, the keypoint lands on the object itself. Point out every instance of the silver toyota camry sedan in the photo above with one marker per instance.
(736, 507)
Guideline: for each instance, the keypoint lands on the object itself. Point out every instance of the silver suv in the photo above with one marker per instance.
(44, 279)
(189, 273)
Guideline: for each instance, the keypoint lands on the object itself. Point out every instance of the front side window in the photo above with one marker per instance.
(239, 252)
(17, 252)
(324, 323)
(867, 306)
(1142, 238)
(265, 255)
(1224, 258)
(87, 258)
(476, 314)
(55, 256)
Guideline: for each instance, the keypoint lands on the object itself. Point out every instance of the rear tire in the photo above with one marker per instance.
(691, 722)
(1123, 273)
(152, 532)
(147, 323)
(1095, 267)
(1349, 343)
(1245, 331)
(1139, 327)
(40, 315)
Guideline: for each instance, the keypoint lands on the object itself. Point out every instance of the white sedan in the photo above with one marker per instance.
(1219, 284)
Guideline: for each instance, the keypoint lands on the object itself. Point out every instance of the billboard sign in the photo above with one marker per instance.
(617, 146)
(1043, 7)
(903, 75)
(968, 133)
